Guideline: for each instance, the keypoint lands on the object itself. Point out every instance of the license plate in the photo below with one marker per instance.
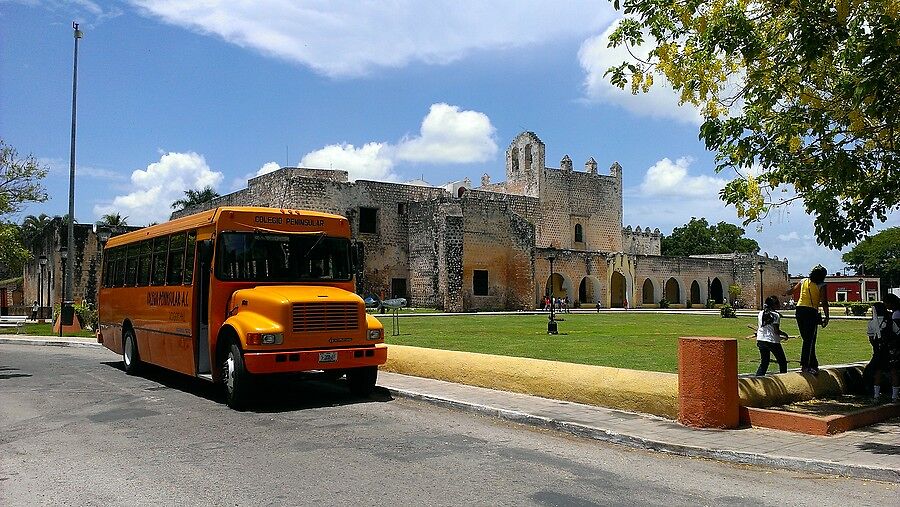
(327, 357)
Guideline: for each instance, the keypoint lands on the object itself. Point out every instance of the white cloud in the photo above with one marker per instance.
(350, 38)
(671, 178)
(163, 182)
(447, 135)
(371, 161)
(791, 236)
(661, 101)
(267, 168)
(450, 135)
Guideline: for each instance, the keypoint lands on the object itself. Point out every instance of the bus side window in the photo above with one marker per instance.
(160, 252)
(146, 251)
(176, 259)
(189, 258)
(131, 265)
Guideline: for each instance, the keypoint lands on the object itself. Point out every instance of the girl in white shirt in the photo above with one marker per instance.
(769, 336)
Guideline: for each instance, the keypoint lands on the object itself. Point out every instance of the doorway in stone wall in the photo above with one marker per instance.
(695, 293)
(589, 290)
(716, 292)
(673, 291)
(617, 286)
(649, 293)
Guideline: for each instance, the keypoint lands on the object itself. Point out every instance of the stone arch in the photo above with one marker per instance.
(672, 291)
(589, 290)
(649, 292)
(514, 159)
(715, 291)
(461, 191)
(528, 156)
(695, 293)
(579, 233)
(561, 286)
(618, 290)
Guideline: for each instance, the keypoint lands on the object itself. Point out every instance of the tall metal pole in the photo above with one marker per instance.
(70, 261)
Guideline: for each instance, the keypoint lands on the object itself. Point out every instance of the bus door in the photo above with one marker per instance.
(204, 260)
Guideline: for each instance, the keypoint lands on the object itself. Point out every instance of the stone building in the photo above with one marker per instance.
(461, 248)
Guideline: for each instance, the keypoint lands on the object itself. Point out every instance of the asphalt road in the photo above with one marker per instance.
(75, 430)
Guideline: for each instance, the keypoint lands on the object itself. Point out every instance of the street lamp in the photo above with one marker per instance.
(64, 255)
(762, 267)
(67, 313)
(42, 261)
(551, 325)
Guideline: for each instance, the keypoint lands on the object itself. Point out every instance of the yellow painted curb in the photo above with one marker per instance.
(785, 388)
(638, 391)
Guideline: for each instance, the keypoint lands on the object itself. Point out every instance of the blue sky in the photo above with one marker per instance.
(175, 95)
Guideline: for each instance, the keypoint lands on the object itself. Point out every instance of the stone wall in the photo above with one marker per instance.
(679, 275)
(641, 241)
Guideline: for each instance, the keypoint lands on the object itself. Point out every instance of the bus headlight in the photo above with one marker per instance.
(265, 338)
(376, 334)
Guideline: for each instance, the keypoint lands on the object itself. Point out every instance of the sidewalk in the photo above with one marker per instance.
(870, 453)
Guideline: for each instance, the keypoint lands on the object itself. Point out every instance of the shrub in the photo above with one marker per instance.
(688, 304)
(663, 303)
(859, 309)
(710, 303)
(728, 312)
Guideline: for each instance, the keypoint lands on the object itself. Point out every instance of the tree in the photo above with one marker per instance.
(114, 220)
(195, 198)
(797, 97)
(20, 183)
(34, 229)
(697, 237)
(878, 255)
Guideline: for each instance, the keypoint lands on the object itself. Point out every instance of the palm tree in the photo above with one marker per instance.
(194, 198)
(114, 220)
(34, 230)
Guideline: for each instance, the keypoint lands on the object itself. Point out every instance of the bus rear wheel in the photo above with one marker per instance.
(130, 355)
(362, 380)
(236, 379)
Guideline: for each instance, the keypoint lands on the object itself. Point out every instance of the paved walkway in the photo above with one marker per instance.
(872, 452)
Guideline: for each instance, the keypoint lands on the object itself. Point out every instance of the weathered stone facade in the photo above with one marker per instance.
(460, 248)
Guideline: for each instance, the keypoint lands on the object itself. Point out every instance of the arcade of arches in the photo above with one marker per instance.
(590, 291)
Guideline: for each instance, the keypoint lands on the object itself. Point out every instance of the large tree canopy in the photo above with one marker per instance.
(797, 96)
(20, 183)
(878, 255)
(697, 237)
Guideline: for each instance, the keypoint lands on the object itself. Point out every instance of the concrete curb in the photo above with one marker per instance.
(737, 457)
(62, 342)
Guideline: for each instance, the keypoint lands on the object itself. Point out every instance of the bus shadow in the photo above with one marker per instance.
(279, 393)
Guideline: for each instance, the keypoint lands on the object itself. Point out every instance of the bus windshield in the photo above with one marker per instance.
(268, 257)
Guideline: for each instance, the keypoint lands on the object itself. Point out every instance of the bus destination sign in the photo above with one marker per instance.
(307, 222)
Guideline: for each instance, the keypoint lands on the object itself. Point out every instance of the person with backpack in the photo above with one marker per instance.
(769, 336)
(886, 330)
(813, 295)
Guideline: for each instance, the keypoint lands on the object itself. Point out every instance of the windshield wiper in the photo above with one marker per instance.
(315, 244)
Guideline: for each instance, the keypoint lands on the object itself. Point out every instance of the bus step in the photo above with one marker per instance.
(206, 376)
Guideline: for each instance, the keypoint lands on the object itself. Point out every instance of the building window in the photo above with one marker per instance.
(841, 296)
(579, 234)
(480, 282)
(871, 296)
(368, 220)
(401, 208)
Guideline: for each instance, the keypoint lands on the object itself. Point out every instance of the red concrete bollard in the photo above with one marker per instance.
(707, 382)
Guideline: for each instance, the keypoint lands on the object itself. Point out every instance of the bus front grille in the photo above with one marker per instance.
(325, 317)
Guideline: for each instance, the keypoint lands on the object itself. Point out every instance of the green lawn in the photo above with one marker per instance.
(634, 340)
(47, 330)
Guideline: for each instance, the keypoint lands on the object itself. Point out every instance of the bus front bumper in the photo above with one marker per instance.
(309, 360)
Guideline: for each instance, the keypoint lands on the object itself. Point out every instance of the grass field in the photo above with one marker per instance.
(47, 330)
(636, 340)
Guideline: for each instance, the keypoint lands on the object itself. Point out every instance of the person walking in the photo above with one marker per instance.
(769, 336)
(890, 347)
(813, 295)
(34, 310)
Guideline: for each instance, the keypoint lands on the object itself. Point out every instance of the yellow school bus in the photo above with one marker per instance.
(233, 293)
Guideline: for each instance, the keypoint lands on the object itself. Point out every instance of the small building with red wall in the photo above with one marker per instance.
(845, 288)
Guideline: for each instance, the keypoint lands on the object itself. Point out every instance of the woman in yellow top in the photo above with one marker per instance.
(812, 296)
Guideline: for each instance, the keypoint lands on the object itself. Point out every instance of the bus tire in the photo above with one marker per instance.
(130, 356)
(362, 380)
(236, 379)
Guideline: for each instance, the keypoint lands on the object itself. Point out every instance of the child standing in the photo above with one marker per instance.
(769, 336)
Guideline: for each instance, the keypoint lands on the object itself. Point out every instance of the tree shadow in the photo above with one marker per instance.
(879, 448)
(274, 393)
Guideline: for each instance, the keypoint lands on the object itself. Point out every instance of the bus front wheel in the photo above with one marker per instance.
(236, 379)
(362, 380)
(130, 353)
